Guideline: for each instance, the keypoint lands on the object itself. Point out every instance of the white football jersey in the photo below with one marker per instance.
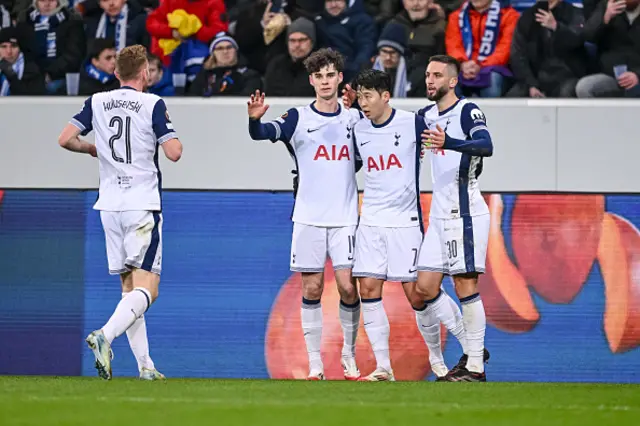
(321, 144)
(455, 175)
(391, 162)
(129, 127)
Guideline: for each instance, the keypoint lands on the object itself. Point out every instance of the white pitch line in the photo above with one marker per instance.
(283, 403)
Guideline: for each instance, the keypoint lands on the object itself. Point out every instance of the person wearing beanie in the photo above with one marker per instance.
(346, 27)
(19, 76)
(424, 25)
(286, 74)
(224, 72)
(54, 38)
(391, 49)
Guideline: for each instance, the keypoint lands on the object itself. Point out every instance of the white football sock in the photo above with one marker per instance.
(137, 335)
(376, 325)
(441, 305)
(462, 337)
(429, 327)
(475, 322)
(350, 321)
(311, 314)
(127, 312)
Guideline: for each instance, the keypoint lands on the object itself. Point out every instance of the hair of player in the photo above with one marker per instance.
(323, 58)
(371, 79)
(99, 45)
(450, 61)
(153, 59)
(130, 61)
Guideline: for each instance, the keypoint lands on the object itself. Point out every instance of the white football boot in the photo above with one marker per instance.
(379, 375)
(102, 351)
(350, 368)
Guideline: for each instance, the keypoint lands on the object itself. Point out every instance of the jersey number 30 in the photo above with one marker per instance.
(121, 128)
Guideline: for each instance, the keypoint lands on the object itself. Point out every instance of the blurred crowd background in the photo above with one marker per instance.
(507, 48)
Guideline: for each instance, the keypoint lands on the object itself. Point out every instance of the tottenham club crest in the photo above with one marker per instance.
(397, 142)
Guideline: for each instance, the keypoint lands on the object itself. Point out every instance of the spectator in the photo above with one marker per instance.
(54, 38)
(547, 52)
(348, 30)
(122, 21)
(391, 49)
(97, 75)
(286, 74)
(224, 73)
(18, 75)
(479, 35)
(424, 23)
(615, 28)
(160, 80)
(260, 33)
(208, 20)
(382, 10)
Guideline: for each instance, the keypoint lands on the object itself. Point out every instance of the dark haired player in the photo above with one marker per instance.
(319, 138)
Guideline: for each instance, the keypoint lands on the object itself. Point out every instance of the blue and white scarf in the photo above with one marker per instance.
(121, 28)
(98, 74)
(45, 28)
(490, 36)
(18, 68)
(402, 85)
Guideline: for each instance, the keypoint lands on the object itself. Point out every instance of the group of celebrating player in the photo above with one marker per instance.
(329, 143)
(386, 242)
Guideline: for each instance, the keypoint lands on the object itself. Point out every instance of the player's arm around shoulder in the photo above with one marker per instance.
(80, 124)
(165, 132)
(474, 126)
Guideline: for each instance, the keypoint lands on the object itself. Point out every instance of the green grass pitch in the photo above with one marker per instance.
(185, 402)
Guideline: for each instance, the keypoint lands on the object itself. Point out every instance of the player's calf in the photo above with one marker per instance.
(311, 318)
(474, 319)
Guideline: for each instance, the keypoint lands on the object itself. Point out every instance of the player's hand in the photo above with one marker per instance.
(628, 79)
(348, 96)
(614, 8)
(434, 139)
(93, 151)
(534, 92)
(256, 106)
(546, 19)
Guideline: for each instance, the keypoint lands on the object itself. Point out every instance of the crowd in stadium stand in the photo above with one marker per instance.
(507, 48)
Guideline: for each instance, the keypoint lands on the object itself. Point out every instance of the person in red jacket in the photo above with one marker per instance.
(479, 35)
(210, 12)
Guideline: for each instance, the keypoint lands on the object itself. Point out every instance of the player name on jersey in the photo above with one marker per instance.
(134, 106)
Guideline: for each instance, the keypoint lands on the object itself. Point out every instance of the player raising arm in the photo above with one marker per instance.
(319, 138)
(456, 240)
(129, 127)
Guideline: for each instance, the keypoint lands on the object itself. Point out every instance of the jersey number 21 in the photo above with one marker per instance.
(120, 129)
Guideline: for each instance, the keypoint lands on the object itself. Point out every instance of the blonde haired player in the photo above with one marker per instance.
(129, 125)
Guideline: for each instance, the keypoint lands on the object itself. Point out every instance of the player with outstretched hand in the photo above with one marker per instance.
(456, 240)
(130, 126)
(319, 138)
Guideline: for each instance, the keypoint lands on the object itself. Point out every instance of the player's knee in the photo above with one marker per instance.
(466, 284)
(370, 288)
(346, 286)
(428, 285)
(312, 286)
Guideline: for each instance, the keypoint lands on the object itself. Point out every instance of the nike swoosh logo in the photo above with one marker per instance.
(367, 323)
(364, 143)
(312, 130)
(411, 271)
